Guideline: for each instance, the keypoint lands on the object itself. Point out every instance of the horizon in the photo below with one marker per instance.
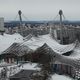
(41, 21)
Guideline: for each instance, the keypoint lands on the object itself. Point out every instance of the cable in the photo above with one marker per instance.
(16, 17)
(55, 17)
(64, 17)
(25, 17)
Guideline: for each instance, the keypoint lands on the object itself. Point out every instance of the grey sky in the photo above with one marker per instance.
(40, 9)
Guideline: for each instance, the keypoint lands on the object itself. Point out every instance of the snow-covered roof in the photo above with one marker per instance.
(27, 37)
(7, 40)
(36, 42)
(17, 49)
(76, 52)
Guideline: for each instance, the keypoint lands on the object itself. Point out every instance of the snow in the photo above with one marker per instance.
(15, 68)
(26, 66)
(76, 53)
(30, 66)
(60, 77)
(36, 42)
(7, 40)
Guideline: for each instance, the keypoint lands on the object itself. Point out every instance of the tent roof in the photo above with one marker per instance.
(17, 49)
(36, 42)
(7, 40)
(33, 43)
(76, 52)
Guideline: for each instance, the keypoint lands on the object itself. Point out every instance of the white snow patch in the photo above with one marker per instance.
(14, 68)
(30, 66)
(60, 77)
(7, 40)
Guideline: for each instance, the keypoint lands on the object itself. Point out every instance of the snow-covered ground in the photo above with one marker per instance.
(7, 40)
(60, 77)
(14, 68)
(27, 66)
(32, 66)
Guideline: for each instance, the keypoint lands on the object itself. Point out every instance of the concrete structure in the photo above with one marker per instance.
(2, 26)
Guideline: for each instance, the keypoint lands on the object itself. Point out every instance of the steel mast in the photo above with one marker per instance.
(19, 12)
(61, 28)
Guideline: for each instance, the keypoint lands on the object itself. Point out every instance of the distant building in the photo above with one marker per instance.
(2, 26)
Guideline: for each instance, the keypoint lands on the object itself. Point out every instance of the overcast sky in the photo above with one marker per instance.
(40, 9)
